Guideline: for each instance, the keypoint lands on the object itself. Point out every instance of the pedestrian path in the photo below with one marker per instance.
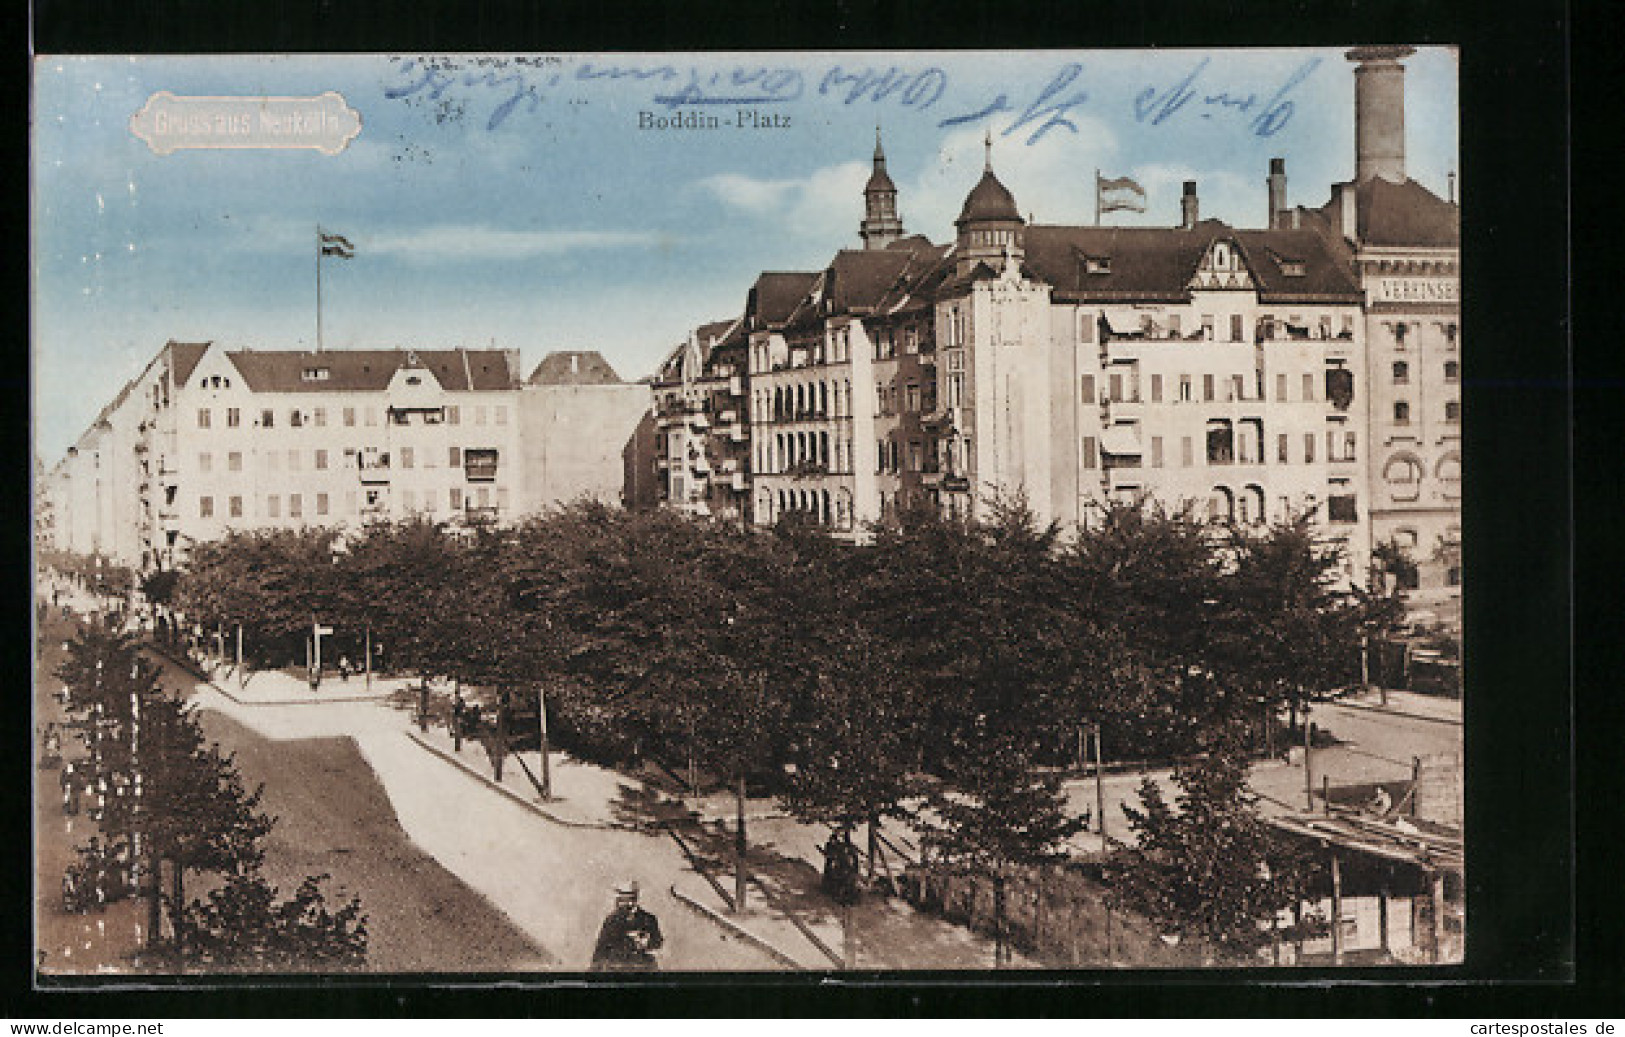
(552, 866)
(1406, 704)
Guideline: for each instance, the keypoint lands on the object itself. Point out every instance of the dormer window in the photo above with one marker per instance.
(413, 379)
(1292, 268)
(1097, 264)
(316, 374)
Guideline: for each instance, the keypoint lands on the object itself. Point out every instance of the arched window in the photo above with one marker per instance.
(1252, 505)
(801, 403)
(823, 448)
(1448, 472)
(1222, 505)
(823, 399)
(824, 514)
(1403, 474)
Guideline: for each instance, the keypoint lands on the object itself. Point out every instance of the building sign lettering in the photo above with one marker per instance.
(1416, 289)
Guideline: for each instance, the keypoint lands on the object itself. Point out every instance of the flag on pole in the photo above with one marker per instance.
(336, 245)
(1121, 193)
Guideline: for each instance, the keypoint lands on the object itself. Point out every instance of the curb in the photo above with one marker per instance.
(1392, 712)
(738, 930)
(211, 682)
(518, 799)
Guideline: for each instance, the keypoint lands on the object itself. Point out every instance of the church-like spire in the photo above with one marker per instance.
(881, 225)
(987, 147)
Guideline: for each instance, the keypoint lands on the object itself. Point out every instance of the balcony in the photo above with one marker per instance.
(736, 386)
(1122, 440)
(741, 482)
(738, 433)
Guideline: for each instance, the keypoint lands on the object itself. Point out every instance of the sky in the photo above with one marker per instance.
(532, 204)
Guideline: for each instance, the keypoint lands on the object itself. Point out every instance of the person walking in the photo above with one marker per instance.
(629, 936)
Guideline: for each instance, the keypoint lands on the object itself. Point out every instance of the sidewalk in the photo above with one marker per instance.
(603, 827)
(280, 688)
(1408, 704)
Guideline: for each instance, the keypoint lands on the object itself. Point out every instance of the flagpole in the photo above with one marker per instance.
(1097, 197)
(319, 287)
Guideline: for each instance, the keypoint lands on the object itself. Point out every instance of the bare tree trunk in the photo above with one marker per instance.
(874, 844)
(177, 902)
(155, 901)
(739, 851)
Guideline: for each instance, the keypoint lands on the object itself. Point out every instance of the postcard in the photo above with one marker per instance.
(546, 514)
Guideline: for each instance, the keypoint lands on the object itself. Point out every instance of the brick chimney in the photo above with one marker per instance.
(1277, 193)
(1189, 210)
(1379, 112)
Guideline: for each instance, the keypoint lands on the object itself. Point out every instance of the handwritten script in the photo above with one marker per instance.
(1157, 105)
(523, 84)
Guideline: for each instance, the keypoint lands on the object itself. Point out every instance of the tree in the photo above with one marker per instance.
(242, 926)
(1207, 866)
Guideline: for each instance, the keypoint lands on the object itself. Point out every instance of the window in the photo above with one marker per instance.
(1088, 390)
(371, 416)
(409, 499)
(406, 458)
(205, 507)
(1340, 387)
(1207, 388)
(273, 506)
(1185, 388)
(912, 400)
(501, 414)
(1235, 327)
(203, 417)
(1308, 448)
(1238, 387)
(429, 498)
(502, 498)
(1403, 474)
(1090, 455)
(454, 415)
(1156, 451)
(456, 457)
(1281, 448)
(1156, 388)
(271, 460)
(1207, 325)
(321, 460)
(295, 419)
(293, 460)
(267, 418)
(235, 507)
(321, 504)
(349, 416)
(1280, 388)
(1452, 412)
(319, 416)
(1342, 508)
(1187, 452)
(1399, 335)
(1086, 326)
(1402, 373)
(479, 418)
(1173, 325)
(315, 374)
(1221, 442)
(234, 417)
(205, 462)
(482, 497)
(296, 505)
(1116, 388)
(1308, 388)
(1402, 413)
(1452, 371)
(234, 461)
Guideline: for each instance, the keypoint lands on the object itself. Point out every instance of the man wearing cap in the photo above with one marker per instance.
(629, 937)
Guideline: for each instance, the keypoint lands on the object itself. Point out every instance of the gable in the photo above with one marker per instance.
(1223, 267)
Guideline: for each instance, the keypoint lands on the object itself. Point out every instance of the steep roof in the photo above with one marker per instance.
(1398, 214)
(989, 200)
(1157, 263)
(775, 294)
(574, 367)
(183, 359)
(370, 370)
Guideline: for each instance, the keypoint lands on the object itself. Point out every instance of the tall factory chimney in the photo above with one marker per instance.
(1277, 187)
(1379, 112)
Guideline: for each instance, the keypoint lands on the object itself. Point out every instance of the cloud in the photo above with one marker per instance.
(453, 243)
(1230, 197)
(831, 197)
